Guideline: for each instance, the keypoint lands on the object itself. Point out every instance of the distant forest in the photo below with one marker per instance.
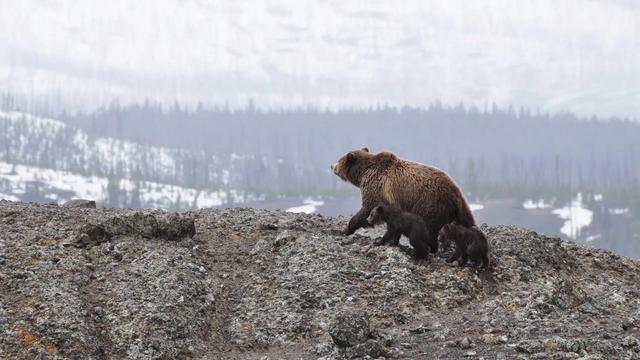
(491, 152)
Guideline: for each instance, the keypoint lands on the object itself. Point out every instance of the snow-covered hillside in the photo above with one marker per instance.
(43, 159)
(45, 142)
(575, 55)
(30, 183)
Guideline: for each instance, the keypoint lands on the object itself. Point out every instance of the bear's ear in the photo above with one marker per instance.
(380, 209)
(350, 158)
(365, 149)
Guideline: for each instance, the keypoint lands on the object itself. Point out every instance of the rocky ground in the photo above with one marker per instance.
(80, 282)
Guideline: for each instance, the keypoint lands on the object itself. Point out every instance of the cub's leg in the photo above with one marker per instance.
(395, 240)
(387, 237)
(463, 261)
(420, 245)
(456, 254)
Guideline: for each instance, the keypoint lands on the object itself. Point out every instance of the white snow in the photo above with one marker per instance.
(105, 154)
(618, 211)
(61, 186)
(593, 237)
(540, 204)
(9, 197)
(576, 217)
(33, 120)
(476, 207)
(597, 197)
(309, 207)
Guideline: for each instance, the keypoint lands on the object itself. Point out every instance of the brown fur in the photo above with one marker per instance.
(401, 223)
(471, 244)
(420, 189)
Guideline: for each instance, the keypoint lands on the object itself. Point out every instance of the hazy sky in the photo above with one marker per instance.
(581, 56)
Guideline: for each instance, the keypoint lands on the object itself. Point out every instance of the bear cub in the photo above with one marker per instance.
(471, 244)
(401, 223)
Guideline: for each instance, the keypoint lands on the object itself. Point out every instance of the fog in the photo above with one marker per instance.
(574, 55)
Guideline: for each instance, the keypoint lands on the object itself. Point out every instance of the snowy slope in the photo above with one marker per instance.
(18, 181)
(43, 159)
(32, 140)
(576, 55)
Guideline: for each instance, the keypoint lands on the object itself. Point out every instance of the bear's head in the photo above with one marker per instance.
(351, 165)
(376, 216)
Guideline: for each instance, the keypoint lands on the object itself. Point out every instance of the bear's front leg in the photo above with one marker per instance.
(357, 221)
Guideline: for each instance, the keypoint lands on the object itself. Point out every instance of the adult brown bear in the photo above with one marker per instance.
(420, 189)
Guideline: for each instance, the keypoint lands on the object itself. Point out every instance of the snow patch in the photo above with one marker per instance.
(61, 186)
(9, 197)
(531, 205)
(618, 211)
(576, 217)
(593, 237)
(309, 207)
(476, 207)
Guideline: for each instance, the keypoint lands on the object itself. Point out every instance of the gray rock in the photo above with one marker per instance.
(371, 348)
(226, 287)
(323, 349)
(178, 227)
(89, 235)
(465, 343)
(80, 203)
(630, 341)
(350, 328)
(529, 346)
(145, 225)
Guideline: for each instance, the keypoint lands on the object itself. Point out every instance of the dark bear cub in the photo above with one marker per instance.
(471, 244)
(401, 223)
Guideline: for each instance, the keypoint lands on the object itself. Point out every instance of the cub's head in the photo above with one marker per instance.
(447, 232)
(453, 232)
(351, 165)
(376, 216)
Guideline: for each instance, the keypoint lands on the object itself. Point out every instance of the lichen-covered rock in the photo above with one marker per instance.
(529, 346)
(350, 328)
(89, 235)
(176, 227)
(249, 283)
(80, 203)
(370, 348)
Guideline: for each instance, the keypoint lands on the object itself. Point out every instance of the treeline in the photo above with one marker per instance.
(491, 152)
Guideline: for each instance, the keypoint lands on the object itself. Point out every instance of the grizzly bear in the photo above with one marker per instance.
(401, 223)
(471, 244)
(413, 187)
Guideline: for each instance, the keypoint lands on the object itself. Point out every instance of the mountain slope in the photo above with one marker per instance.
(575, 56)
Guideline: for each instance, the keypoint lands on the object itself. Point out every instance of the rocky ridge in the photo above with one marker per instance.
(80, 282)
